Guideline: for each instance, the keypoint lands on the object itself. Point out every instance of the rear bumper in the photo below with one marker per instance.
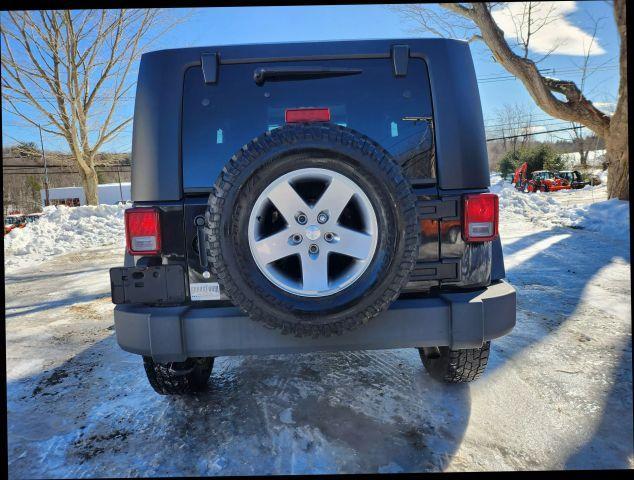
(458, 320)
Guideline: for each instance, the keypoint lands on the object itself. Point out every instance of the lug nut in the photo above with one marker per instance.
(329, 237)
(301, 218)
(313, 249)
(296, 238)
(322, 217)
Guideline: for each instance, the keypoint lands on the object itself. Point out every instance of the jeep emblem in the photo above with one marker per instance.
(313, 232)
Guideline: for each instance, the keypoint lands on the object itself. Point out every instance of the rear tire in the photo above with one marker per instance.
(455, 366)
(178, 378)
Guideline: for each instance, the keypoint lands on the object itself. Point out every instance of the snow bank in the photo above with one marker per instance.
(64, 229)
(581, 209)
(610, 217)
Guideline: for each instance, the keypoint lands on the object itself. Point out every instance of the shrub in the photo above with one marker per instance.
(548, 158)
(509, 163)
(540, 157)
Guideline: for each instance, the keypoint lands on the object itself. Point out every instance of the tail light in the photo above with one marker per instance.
(143, 231)
(480, 217)
(296, 115)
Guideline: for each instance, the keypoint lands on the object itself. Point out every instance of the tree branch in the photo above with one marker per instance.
(575, 108)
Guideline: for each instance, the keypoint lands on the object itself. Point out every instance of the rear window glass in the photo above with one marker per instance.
(218, 119)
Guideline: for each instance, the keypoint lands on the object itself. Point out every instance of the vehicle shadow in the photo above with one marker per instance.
(604, 449)
(551, 283)
(550, 286)
(368, 411)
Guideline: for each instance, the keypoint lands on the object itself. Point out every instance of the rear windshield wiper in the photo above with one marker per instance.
(261, 75)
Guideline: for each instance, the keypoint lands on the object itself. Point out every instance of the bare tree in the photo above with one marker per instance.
(514, 124)
(559, 98)
(68, 72)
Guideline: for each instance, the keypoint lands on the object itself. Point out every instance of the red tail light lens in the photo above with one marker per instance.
(296, 115)
(480, 217)
(143, 231)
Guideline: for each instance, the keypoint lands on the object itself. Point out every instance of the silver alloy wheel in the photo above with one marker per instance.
(313, 232)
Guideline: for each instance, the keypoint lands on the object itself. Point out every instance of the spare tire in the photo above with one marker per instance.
(312, 229)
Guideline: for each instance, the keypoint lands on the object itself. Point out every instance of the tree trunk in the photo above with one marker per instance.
(583, 153)
(91, 185)
(617, 156)
(616, 141)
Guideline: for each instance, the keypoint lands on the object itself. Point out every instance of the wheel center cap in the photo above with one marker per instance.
(313, 232)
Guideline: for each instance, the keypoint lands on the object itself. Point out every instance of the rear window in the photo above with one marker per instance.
(218, 119)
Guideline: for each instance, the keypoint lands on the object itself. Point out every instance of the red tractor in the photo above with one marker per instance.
(540, 180)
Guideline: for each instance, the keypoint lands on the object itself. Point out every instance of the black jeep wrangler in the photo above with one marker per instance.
(310, 196)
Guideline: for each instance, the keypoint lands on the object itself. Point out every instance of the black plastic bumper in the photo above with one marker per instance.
(458, 320)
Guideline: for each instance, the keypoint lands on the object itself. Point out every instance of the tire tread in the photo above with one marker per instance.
(458, 366)
(167, 382)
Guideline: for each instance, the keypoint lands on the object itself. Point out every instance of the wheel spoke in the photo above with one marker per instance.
(314, 272)
(287, 201)
(335, 198)
(352, 243)
(274, 247)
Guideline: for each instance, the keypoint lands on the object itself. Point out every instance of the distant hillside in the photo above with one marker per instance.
(23, 175)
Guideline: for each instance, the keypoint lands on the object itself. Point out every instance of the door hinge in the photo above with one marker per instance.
(209, 62)
(443, 208)
(445, 270)
(400, 59)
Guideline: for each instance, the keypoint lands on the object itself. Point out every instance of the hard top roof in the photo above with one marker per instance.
(314, 45)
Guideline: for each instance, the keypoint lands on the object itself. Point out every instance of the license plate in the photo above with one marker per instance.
(204, 291)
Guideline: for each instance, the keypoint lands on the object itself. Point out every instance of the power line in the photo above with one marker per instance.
(528, 126)
(547, 71)
(111, 165)
(490, 78)
(531, 118)
(59, 173)
(530, 134)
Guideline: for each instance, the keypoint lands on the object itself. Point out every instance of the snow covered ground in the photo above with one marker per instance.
(557, 392)
(63, 229)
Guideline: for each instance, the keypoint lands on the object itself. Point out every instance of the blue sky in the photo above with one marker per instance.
(217, 26)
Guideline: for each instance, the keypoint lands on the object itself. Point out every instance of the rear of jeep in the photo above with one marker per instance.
(310, 197)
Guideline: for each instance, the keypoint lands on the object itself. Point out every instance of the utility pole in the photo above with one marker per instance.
(119, 177)
(47, 201)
